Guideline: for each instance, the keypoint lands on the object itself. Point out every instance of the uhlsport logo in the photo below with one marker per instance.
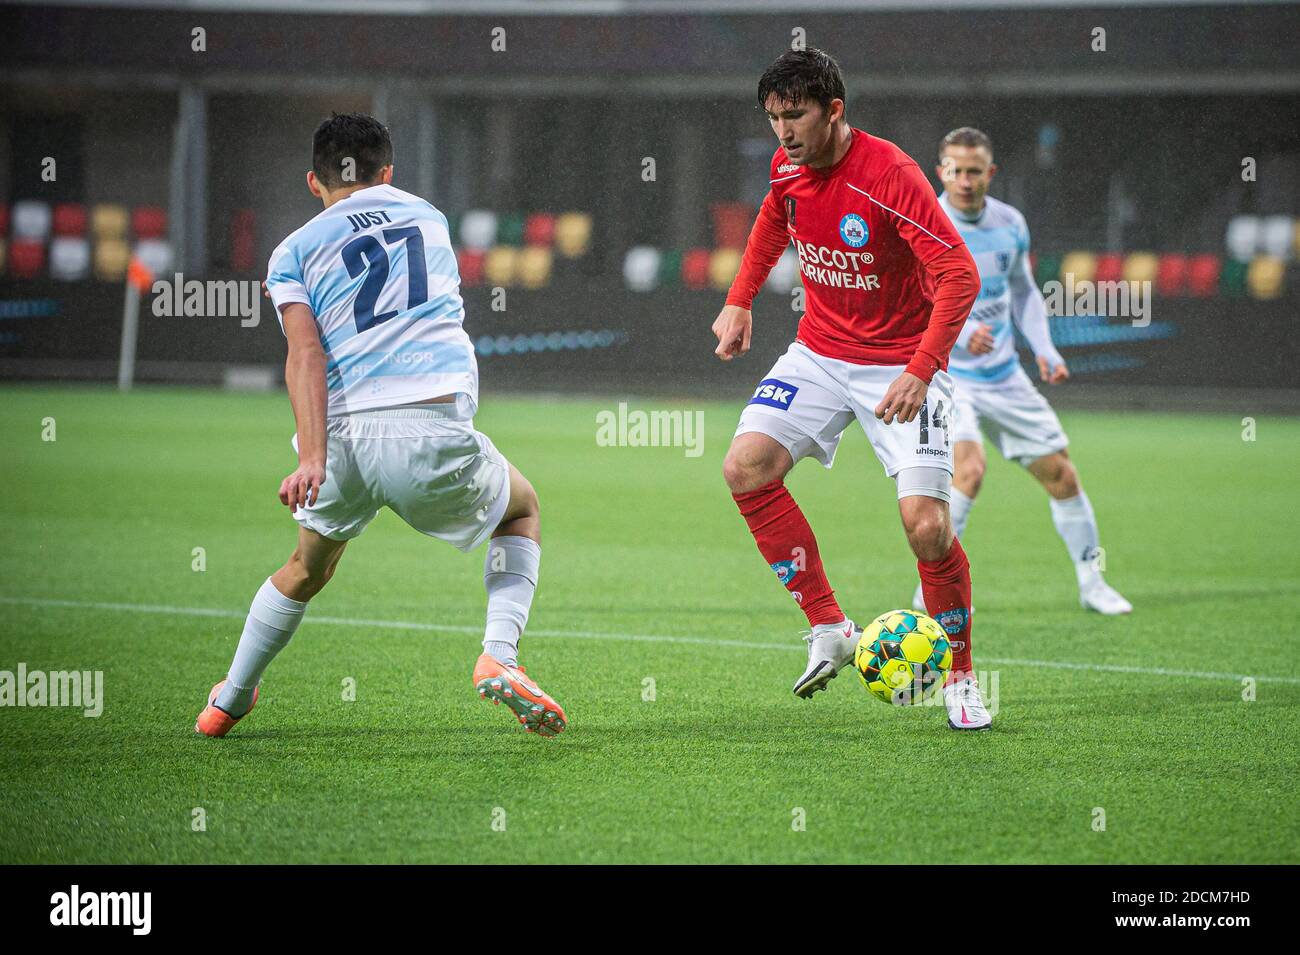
(954, 620)
(853, 230)
(774, 393)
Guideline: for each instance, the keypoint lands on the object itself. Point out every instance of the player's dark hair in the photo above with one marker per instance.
(802, 74)
(966, 136)
(350, 136)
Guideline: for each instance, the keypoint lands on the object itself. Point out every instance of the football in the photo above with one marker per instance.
(901, 655)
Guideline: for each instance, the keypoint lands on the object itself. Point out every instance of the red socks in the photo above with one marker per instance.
(787, 543)
(945, 584)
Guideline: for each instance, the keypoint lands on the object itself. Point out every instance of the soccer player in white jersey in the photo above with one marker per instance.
(992, 395)
(384, 385)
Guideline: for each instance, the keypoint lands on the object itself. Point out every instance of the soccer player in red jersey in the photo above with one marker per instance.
(888, 284)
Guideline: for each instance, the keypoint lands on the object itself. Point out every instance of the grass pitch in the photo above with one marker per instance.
(666, 637)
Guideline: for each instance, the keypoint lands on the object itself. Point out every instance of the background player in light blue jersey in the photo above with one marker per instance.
(384, 386)
(993, 397)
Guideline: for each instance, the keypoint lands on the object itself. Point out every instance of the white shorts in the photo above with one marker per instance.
(807, 400)
(428, 465)
(1012, 414)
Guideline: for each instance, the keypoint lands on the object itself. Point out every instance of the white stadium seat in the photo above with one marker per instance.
(1243, 237)
(69, 258)
(641, 268)
(1277, 237)
(31, 220)
(478, 230)
(785, 274)
(154, 254)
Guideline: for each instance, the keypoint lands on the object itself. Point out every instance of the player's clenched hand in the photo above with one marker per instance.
(903, 399)
(302, 487)
(981, 340)
(1052, 375)
(732, 326)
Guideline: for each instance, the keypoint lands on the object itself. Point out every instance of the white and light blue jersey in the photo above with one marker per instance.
(998, 240)
(379, 273)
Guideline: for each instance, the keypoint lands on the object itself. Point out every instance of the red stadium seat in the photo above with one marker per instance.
(1110, 267)
(26, 258)
(4, 222)
(539, 229)
(1171, 275)
(149, 222)
(695, 268)
(70, 219)
(242, 241)
(471, 266)
(1203, 275)
(732, 222)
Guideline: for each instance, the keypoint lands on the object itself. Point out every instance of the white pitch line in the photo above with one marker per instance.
(632, 637)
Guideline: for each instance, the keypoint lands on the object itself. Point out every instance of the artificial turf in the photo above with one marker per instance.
(666, 637)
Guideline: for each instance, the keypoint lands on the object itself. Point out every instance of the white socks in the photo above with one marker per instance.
(1077, 526)
(510, 578)
(959, 509)
(272, 619)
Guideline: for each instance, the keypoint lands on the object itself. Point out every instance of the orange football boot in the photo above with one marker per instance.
(214, 721)
(506, 684)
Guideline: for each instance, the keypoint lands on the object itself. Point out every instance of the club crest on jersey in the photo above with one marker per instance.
(785, 570)
(954, 620)
(853, 230)
(774, 393)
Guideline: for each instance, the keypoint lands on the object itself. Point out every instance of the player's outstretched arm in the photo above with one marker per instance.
(767, 240)
(1029, 312)
(304, 375)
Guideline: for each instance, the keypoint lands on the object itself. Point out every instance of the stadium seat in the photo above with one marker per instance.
(111, 258)
(731, 224)
(723, 266)
(535, 266)
(478, 230)
(31, 220)
(470, 263)
(501, 265)
(149, 222)
(785, 274)
(1081, 265)
(539, 229)
(670, 268)
(1277, 237)
(695, 269)
(1171, 274)
(108, 221)
(4, 247)
(1203, 275)
(1141, 267)
(69, 258)
(641, 268)
(1047, 269)
(26, 258)
(243, 241)
(1232, 280)
(70, 219)
(154, 254)
(573, 234)
(4, 221)
(1110, 268)
(1265, 277)
(1242, 239)
(510, 229)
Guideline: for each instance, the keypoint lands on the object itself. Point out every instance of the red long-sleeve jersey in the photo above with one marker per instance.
(887, 279)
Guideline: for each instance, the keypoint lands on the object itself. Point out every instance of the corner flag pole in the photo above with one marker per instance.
(138, 279)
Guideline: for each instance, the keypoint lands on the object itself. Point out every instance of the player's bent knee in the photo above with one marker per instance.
(750, 465)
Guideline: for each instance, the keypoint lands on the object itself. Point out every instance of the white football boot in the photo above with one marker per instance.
(918, 600)
(1096, 594)
(966, 706)
(830, 648)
